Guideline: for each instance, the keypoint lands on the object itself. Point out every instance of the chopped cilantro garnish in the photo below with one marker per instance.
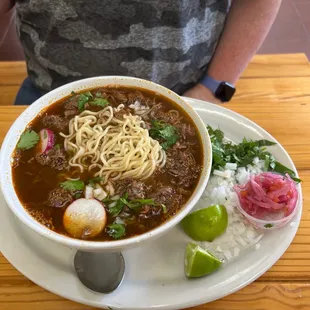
(87, 97)
(278, 167)
(28, 140)
(164, 207)
(77, 195)
(116, 208)
(137, 204)
(268, 226)
(116, 231)
(133, 204)
(244, 153)
(83, 99)
(101, 102)
(92, 182)
(73, 185)
(165, 133)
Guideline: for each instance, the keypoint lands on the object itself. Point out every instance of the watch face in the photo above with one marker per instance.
(225, 91)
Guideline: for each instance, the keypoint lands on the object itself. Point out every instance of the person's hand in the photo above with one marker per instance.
(202, 93)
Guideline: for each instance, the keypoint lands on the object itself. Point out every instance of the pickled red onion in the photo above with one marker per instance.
(268, 192)
(47, 140)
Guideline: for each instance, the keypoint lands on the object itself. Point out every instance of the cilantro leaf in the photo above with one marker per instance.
(83, 99)
(92, 182)
(278, 167)
(28, 140)
(98, 94)
(164, 207)
(117, 208)
(265, 143)
(134, 204)
(77, 195)
(166, 134)
(73, 185)
(137, 204)
(268, 226)
(116, 231)
(101, 102)
(244, 153)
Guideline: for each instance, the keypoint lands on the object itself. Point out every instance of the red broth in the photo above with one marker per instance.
(169, 188)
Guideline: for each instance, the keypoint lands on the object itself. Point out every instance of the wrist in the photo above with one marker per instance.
(221, 76)
(205, 90)
(206, 94)
(221, 90)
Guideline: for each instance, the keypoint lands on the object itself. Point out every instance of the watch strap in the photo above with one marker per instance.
(210, 83)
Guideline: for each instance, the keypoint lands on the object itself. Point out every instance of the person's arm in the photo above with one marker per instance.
(248, 23)
(6, 5)
(5, 17)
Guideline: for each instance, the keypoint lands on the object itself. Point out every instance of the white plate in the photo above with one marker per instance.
(154, 275)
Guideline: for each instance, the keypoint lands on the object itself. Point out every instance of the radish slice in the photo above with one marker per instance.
(47, 140)
(85, 218)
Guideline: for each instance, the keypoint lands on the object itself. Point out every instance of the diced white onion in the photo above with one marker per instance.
(89, 192)
(118, 220)
(99, 193)
(240, 234)
(241, 241)
(236, 252)
(231, 166)
(228, 255)
(113, 204)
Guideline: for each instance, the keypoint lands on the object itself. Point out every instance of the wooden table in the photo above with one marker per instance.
(274, 92)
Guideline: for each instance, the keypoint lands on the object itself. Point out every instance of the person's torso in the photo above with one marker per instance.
(167, 41)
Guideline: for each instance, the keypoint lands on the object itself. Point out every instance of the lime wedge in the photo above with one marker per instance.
(206, 224)
(199, 262)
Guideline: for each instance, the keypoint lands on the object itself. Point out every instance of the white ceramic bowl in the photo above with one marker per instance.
(31, 112)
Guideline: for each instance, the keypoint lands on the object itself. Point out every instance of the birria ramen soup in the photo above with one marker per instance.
(108, 163)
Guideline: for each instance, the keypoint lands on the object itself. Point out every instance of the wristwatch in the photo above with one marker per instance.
(221, 90)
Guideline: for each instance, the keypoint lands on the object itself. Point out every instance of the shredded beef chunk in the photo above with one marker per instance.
(147, 212)
(55, 123)
(134, 189)
(166, 195)
(169, 117)
(55, 158)
(186, 130)
(17, 155)
(59, 198)
(119, 96)
(71, 107)
(180, 146)
(182, 166)
(136, 96)
(120, 114)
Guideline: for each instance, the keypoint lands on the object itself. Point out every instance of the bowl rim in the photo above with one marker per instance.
(29, 221)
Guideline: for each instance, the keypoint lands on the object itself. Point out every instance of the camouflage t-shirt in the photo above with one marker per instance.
(167, 41)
